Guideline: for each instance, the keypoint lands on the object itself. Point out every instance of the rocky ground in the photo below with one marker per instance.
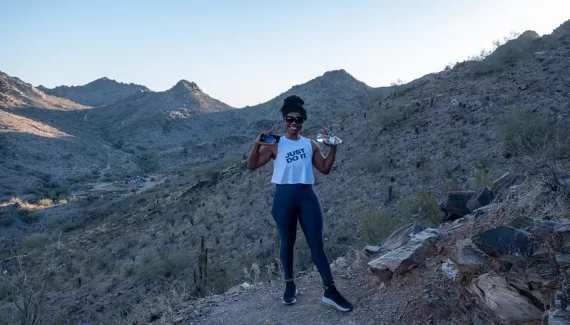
(489, 266)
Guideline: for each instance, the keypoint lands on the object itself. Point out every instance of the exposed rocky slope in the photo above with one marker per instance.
(183, 100)
(454, 130)
(14, 93)
(100, 92)
(41, 140)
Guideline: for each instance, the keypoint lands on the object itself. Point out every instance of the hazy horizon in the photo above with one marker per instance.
(247, 53)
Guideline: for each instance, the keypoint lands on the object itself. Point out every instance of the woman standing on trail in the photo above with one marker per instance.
(295, 198)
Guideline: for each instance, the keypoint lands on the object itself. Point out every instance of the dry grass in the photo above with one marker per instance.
(28, 290)
(377, 225)
(523, 131)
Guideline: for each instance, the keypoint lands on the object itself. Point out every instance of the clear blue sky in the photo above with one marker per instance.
(246, 52)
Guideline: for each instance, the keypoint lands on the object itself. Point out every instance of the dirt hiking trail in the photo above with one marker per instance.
(418, 298)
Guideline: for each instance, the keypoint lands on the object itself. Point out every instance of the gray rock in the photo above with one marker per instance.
(477, 321)
(562, 225)
(503, 299)
(522, 222)
(372, 249)
(560, 315)
(502, 183)
(506, 243)
(542, 271)
(217, 299)
(481, 198)
(401, 236)
(468, 257)
(466, 218)
(484, 210)
(413, 254)
(564, 182)
(563, 259)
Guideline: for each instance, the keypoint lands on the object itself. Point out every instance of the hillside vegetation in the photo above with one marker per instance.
(204, 226)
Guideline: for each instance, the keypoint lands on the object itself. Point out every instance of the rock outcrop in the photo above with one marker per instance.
(517, 269)
(410, 255)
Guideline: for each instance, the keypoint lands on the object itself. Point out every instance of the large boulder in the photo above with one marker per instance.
(455, 205)
(401, 236)
(506, 243)
(409, 256)
(504, 299)
(501, 184)
(480, 198)
(467, 257)
(560, 314)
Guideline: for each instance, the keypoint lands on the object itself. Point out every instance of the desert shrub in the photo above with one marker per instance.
(400, 88)
(424, 208)
(69, 225)
(391, 115)
(82, 178)
(52, 190)
(28, 216)
(45, 203)
(147, 162)
(157, 266)
(483, 177)
(370, 163)
(102, 209)
(6, 220)
(523, 131)
(343, 113)
(34, 241)
(504, 53)
(28, 279)
(377, 225)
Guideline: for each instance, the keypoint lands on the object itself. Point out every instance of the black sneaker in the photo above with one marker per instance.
(334, 298)
(289, 297)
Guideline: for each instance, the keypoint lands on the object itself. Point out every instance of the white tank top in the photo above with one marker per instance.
(294, 162)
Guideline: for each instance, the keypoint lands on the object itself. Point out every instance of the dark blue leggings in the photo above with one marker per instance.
(292, 202)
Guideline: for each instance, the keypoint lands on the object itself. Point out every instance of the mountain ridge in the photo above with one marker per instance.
(99, 92)
(15, 93)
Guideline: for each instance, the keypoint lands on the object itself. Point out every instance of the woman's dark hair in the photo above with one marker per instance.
(293, 103)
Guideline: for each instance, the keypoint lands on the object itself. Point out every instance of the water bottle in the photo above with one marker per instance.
(329, 139)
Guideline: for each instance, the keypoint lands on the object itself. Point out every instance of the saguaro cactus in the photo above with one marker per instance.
(202, 276)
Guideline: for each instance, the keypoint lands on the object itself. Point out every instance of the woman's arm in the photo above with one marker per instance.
(259, 158)
(321, 163)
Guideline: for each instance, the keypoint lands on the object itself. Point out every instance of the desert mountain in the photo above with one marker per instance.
(184, 126)
(333, 92)
(150, 256)
(183, 100)
(103, 91)
(45, 142)
(14, 93)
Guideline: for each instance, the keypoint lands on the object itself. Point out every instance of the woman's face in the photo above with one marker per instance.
(293, 123)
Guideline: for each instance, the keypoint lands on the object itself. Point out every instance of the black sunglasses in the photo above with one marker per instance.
(290, 119)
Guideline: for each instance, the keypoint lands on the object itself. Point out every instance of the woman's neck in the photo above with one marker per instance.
(290, 136)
